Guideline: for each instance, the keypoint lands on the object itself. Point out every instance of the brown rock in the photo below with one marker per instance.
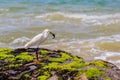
(83, 77)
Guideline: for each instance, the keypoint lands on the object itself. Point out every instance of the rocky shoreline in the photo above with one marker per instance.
(21, 64)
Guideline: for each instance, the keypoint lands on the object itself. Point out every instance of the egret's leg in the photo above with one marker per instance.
(37, 49)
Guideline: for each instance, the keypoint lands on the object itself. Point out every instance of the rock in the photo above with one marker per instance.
(54, 77)
(83, 77)
(11, 72)
(54, 55)
(32, 67)
(18, 64)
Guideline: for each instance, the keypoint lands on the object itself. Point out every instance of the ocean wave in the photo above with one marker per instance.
(80, 16)
(104, 19)
(3, 10)
(2, 44)
(105, 55)
(103, 44)
(59, 16)
(113, 40)
(19, 41)
(96, 46)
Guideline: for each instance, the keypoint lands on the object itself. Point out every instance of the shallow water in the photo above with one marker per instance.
(90, 29)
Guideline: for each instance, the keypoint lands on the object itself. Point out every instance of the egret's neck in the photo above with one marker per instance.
(45, 34)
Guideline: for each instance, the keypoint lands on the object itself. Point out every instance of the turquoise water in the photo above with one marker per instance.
(87, 28)
(70, 5)
(60, 2)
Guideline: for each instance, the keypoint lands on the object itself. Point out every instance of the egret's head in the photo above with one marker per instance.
(48, 31)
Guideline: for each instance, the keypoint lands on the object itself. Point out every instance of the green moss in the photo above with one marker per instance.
(51, 66)
(15, 65)
(77, 63)
(27, 76)
(12, 60)
(47, 73)
(100, 63)
(93, 72)
(67, 67)
(12, 66)
(71, 66)
(63, 58)
(4, 53)
(45, 76)
(42, 77)
(77, 59)
(74, 65)
(87, 63)
(4, 56)
(108, 78)
(43, 52)
(24, 57)
(5, 50)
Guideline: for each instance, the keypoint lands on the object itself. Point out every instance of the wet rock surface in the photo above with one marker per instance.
(21, 64)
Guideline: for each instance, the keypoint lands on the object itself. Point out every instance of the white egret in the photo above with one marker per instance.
(38, 39)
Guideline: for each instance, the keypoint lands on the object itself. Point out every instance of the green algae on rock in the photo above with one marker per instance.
(45, 76)
(93, 73)
(20, 64)
(24, 57)
(100, 63)
(5, 53)
(43, 52)
(63, 58)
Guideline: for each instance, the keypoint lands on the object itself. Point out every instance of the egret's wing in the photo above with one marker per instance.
(35, 41)
(38, 38)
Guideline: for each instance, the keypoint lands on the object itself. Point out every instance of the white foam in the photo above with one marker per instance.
(100, 57)
(2, 44)
(59, 13)
(83, 16)
(105, 19)
(112, 38)
(96, 51)
(105, 55)
(118, 61)
(20, 40)
(110, 54)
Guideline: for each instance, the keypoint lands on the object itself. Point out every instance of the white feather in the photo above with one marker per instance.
(38, 39)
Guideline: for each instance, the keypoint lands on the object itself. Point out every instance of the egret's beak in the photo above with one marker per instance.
(52, 35)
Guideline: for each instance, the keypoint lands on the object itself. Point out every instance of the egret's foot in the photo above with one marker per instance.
(37, 61)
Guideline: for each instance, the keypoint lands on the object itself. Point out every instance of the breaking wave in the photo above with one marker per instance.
(19, 41)
(86, 18)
